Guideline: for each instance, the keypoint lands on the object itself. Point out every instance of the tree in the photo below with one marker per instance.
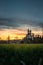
(8, 39)
(41, 25)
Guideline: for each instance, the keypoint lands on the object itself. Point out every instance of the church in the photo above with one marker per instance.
(29, 37)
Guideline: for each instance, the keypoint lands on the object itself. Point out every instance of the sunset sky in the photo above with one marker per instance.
(16, 16)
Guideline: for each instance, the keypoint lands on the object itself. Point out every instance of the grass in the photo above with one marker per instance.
(12, 54)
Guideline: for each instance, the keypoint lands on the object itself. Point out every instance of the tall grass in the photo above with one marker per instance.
(12, 54)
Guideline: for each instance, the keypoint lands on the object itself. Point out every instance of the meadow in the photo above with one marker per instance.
(21, 54)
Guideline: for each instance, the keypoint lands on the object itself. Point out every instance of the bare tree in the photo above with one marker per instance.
(41, 25)
(8, 39)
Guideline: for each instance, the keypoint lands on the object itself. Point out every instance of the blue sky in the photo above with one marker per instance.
(21, 13)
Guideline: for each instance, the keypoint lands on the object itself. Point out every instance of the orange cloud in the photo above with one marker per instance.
(15, 33)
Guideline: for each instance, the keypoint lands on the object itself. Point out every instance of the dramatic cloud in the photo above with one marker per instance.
(18, 23)
(8, 23)
(40, 24)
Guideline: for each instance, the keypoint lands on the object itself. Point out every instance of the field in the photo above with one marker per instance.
(21, 54)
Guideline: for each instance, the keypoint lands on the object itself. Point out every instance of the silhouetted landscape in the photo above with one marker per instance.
(30, 38)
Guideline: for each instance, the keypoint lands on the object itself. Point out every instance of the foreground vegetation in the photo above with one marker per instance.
(13, 54)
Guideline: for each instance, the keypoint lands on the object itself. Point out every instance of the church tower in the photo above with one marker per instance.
(28, 33)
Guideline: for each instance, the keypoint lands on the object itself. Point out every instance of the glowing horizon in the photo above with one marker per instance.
(15, 34)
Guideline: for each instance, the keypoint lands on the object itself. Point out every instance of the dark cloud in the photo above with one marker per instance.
(24, 21)
(40, 24)
(17, 22)
(8, 23)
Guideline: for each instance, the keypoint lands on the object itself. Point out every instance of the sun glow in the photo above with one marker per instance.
(15, 34)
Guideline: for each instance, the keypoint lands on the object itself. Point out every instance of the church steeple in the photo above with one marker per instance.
(28, 33)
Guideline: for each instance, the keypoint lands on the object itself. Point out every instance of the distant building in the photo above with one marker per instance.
(29, 37)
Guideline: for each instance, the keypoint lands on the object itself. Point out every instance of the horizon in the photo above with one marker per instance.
(16, 34)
